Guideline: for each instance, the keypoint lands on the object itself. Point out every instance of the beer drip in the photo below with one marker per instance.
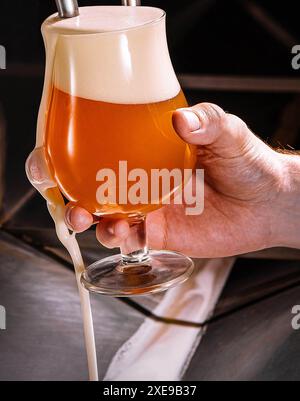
(99, 94)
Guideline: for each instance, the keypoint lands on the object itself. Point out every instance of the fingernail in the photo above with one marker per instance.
(192, 120)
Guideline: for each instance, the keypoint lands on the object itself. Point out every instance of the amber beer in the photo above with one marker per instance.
(108, 96)
(112, 92)
(84, 136)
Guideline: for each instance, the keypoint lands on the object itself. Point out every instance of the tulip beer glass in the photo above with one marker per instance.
(112, 91)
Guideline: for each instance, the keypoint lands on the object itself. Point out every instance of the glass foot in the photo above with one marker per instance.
(163, 270)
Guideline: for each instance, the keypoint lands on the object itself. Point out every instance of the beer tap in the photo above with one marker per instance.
(67, 8)
(131, 2)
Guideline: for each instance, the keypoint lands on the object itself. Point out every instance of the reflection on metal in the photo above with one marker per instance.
(41, 301)
(131, 2)
(67, 8)
(255, 343)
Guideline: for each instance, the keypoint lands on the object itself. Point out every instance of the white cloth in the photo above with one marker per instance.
(162, 351)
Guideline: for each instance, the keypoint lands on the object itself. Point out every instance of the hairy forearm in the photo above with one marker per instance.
(286, 221)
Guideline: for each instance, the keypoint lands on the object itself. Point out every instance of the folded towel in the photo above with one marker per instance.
(162, 350)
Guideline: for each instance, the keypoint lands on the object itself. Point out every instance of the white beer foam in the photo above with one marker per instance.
(101, 55)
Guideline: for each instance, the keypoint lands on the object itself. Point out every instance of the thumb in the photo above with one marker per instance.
(207, 124)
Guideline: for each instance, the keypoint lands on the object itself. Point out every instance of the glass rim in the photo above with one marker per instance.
(62, 32)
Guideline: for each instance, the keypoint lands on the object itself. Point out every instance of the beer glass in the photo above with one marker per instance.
(112, 91)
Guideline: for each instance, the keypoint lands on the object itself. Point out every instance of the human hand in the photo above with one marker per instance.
(248, 188)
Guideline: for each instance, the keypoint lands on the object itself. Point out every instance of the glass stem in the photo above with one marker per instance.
(134, 249)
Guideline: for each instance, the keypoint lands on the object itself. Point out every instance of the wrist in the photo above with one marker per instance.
(286, 210)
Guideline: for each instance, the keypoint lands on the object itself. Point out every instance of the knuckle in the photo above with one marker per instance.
(235, 124)
(102, 241)
(212, 113)
(102, 238)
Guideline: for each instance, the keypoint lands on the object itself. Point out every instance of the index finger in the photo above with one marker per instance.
(78, 219)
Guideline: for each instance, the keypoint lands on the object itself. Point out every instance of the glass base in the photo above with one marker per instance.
(163, 270)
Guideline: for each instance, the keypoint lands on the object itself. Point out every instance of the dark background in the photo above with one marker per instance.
(206, 38)
(251, 337)
(216, 36)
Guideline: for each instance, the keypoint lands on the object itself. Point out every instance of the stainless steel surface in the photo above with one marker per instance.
(131, 2)
(67, 8)
(251, 279)
(44, 339)
(44, 324)
(255, 343)
(44, 336)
